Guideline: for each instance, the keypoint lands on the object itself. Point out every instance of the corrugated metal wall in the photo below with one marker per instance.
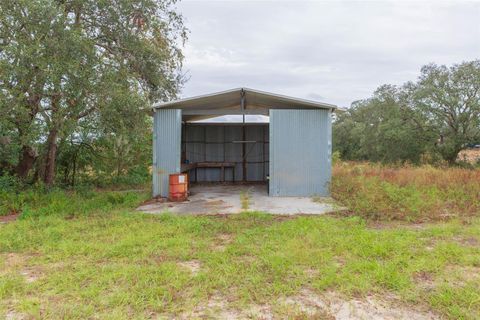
(294, 150)
(167, 137)
(215, 143)
(300, 152)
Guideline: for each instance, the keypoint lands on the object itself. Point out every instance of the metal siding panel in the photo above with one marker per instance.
(194, 133)
(229, 174)
(211, 174)
(254, 152)
(167, 148)
(254, 133)
(254, 171)
(233, 152)
(214, 152)
(233, 133)
(201, 174)
(195, 152)
(300, 152)
(214, 134)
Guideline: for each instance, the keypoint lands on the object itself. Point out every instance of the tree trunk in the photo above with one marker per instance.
(453, 155)
(74, 169)
(50, 158)
(27, 158)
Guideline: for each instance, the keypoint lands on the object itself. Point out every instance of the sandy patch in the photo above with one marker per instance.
(13, 315)
(9, 218)
(31, 274)
(15, 262)
(217, 307)
(462, 275)
(221, 241)
(371, 308)
(193, 266)
(310, 305)
(424, 280)
(468, 242)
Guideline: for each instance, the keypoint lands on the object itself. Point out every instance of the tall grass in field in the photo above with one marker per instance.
(36, 202)
(407, 193)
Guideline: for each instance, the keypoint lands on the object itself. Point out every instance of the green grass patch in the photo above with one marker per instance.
(40, 203)
(120, 264)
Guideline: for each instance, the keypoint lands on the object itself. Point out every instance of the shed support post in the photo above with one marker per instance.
(244, 146)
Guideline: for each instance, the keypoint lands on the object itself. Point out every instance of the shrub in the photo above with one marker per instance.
(336, 157)
(9, 183)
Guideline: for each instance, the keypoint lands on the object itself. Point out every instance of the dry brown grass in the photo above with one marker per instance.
(411, 193)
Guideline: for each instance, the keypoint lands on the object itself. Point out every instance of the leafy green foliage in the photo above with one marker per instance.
(435, 117)
(450, 97)
(76, 73)
(381, 129)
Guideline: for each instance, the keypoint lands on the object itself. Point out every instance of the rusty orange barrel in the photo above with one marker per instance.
(178, 183)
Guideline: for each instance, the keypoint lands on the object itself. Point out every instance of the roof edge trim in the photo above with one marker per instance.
(312, 103)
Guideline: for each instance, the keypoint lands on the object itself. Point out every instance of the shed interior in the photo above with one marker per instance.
(225, 152)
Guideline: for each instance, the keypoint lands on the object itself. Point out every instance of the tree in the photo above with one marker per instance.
(450, 98)
(382, 128)
(439, 114)
(67, 62)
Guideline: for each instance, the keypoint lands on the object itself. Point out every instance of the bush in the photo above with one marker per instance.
(9, 183)
(336, 157)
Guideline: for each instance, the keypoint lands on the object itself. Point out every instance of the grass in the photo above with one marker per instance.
(77, 255)
(41, 203)
(244, 199)
(407, 193)
(123, 265)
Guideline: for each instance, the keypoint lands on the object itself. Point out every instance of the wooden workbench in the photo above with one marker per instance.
(221, 165)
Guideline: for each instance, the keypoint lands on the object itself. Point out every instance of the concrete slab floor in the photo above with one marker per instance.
(227, 199)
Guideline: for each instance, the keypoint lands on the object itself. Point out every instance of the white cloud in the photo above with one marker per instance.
(337, 52)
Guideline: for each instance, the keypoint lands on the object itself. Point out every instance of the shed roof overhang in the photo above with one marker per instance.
(240, 101)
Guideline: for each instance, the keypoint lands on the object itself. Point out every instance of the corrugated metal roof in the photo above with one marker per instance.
(230, 102)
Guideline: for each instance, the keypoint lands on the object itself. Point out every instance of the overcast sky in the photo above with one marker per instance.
(334, 52)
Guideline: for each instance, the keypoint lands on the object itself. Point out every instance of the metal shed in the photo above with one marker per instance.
(292, 152)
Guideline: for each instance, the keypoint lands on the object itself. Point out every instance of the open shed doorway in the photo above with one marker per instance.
(227, 153)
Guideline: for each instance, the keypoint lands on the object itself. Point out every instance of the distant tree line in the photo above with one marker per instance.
(431, 119)
(77, 78)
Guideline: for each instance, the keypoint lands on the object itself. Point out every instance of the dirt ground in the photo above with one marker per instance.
(9, 218)
(309, 305)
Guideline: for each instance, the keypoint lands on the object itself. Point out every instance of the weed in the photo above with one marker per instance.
(37, 202)
(406, 193)
(244, 199)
